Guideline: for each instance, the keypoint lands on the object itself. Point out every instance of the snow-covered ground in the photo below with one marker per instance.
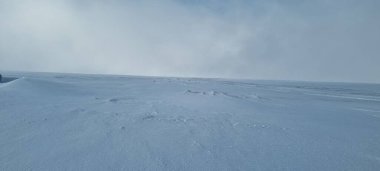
(94, 122)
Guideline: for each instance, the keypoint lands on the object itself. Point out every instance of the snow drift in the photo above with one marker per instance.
(7, 79)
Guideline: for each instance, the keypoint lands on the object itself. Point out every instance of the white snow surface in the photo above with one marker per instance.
(97, 122)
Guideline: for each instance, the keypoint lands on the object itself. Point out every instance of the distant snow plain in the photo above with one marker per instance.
(54, 121)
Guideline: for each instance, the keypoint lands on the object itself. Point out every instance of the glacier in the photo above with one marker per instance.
(54, 121)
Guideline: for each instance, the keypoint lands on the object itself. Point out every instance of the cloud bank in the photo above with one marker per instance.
(294, 40)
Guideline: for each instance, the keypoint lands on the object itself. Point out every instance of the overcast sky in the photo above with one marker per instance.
(318, 40)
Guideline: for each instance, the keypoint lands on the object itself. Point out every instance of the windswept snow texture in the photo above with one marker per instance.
(84, 122)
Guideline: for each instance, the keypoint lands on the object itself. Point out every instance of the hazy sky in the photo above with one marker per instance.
(320, 40)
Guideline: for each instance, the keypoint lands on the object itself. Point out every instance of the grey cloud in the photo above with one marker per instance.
(301, 40)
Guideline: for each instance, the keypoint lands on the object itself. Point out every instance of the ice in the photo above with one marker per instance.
(97, 122)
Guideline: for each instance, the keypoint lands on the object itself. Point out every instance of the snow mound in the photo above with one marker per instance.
(7, 79)
(40, 87)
